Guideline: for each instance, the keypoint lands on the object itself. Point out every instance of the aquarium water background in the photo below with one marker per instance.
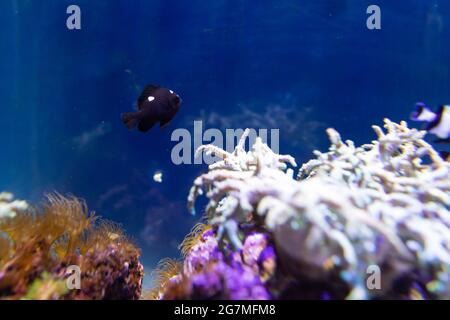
(300, 66)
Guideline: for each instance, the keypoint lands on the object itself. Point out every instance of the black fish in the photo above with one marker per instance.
(443, 141)
(155, 104)
(445, 155)
(438, 123)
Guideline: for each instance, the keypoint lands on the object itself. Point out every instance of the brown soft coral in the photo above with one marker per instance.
(63, 232)
(167, 271)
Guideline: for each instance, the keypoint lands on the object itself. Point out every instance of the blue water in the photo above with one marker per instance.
(300, 66)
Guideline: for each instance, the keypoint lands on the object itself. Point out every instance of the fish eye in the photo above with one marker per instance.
(151, 98)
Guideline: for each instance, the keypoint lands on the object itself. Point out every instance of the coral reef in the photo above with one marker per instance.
(38, 245)
(381, 206)
(207, 273)
(367, 222)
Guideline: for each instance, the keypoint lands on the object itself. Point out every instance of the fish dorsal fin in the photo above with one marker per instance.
(149, 90)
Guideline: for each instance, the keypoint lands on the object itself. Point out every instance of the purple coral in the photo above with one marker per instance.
(205, 251)
(254, 245)
(258, 254)
(210, 274)
(222, 281)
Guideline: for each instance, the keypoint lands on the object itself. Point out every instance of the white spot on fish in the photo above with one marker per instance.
(151, 98)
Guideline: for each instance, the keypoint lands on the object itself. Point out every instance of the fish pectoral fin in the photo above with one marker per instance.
(167, 118)
(146, 124)
(164, 123)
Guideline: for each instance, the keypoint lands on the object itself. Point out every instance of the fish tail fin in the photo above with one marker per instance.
(129, 119)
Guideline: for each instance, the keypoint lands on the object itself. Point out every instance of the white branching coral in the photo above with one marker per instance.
(238, 182)
(9, 207)
(383, 204)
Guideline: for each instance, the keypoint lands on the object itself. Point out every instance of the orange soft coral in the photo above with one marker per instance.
(193, 238)
(63, 232)
(165, 272)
